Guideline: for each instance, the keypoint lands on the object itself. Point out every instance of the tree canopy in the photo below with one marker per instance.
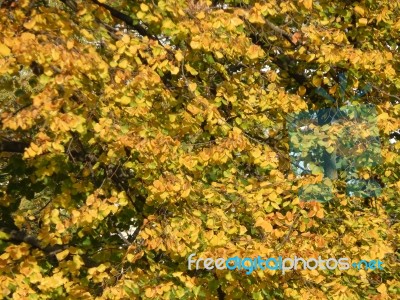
(134, 133)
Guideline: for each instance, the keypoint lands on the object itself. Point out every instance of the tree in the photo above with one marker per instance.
(134, 133)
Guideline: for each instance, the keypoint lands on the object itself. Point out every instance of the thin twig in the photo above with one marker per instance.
(385, 93)
(288, 234)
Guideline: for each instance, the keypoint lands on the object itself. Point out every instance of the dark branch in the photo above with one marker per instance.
(71, 4)
(281, 32)
(12, 146)
(20, 236)
(126, 19)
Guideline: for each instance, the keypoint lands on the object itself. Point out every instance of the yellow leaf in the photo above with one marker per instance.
(382, 117)
(111, 153)
(308, 4)
(359, 10)
(320, 214)
(382, 289)
(201, 15)
(242, 230)
(255, 52)
(34, 147)
(302, 90)
(256, 17)
(30, 24)
(26, 36)
(196, 213)
(179, 56)
(126, 39)
(185, 193)
(235, 21)
(57, 147)
(130, 257)
(29, 153)
(180, 293)
(149, 293)
(123, 64)
(267, 227)
(101, 268)
(363, 21)
(61, 255)
(218, 54)
(210, 223)
(272, 196)
(55, 55)
(316, 80)
(192, 86)
(172, 118)
(70, 44)
(78, 261)
(86, 34)
(310, 57)
(174, 70)
(217, 24)
(195, 45)
(191, 70)
(144, 7)
(229, 277)
(4, 50)
(315, 170)
(256, 153)
(125, 100)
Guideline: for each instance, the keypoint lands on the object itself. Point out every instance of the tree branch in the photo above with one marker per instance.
(289, 37)
(20, 236)
(71, 4)
(13, 146)
(126, 19)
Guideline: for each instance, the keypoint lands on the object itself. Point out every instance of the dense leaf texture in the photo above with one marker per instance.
(134, 133)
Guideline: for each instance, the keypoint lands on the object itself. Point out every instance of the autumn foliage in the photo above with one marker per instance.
(134, 133)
